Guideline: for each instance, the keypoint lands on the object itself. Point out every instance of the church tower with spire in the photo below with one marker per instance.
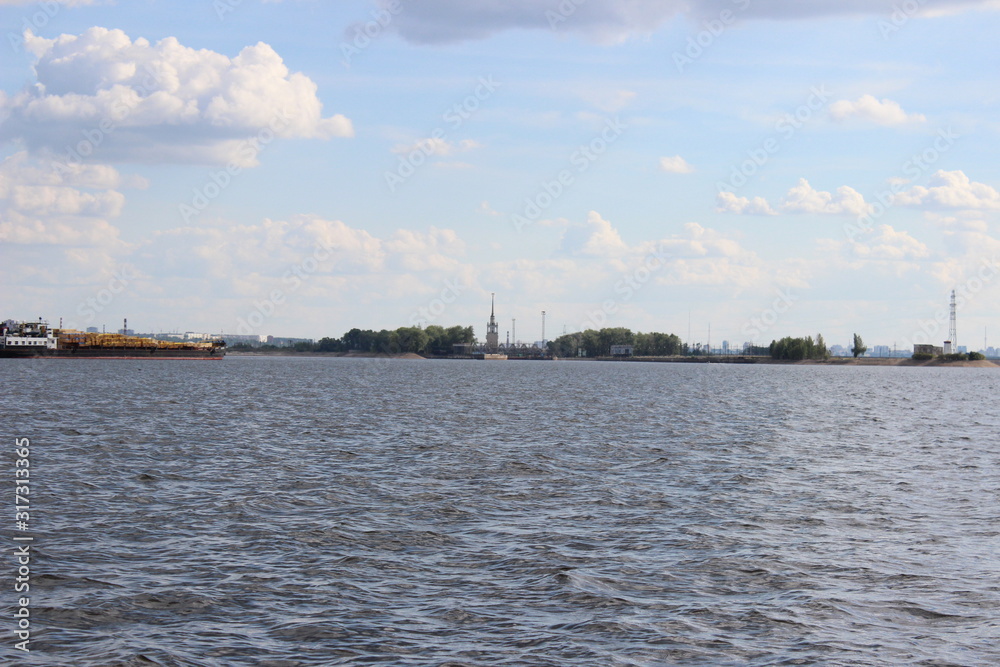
(492, 333)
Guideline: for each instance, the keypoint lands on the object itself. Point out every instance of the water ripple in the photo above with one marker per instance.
(342, 512)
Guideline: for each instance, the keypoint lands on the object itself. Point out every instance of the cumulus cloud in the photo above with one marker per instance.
(891, 245)
(696, 255)
(434, 21)
(951, 190)
(65, 207)
(802, 198)
(675, 165)
(594, 238)
(728, 202)
(434, 250)
(881, 112)
(102, 97)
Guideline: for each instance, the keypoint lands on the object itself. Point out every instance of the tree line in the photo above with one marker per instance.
(598, 343)
(437, 340)
(431, 341)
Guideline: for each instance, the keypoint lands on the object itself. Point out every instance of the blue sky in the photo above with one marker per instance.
(766, 168)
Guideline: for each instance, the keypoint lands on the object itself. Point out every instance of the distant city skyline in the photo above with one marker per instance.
(758, 169)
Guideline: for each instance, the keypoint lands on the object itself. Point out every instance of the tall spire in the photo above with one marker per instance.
(492, 330)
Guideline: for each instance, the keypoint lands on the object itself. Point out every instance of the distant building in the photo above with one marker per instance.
(621, 350)
(93, 330)
(236, 339)
(492, 333)
(287, 342)
(932, 350)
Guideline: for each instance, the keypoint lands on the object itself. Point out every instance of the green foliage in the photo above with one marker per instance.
(859, 346)
(598, 343)
(434, 340)
(797, 349)
(958, 356)
(922, 356)
(329, 345)
(976, 356)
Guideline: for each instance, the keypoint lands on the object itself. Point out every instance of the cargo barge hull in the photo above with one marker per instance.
(113, 353)
(37, 340)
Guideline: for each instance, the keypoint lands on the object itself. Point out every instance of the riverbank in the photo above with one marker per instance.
(350, 355)
(832, 361)
(715, 359)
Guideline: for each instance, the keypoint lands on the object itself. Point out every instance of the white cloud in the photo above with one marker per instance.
(434, 250)
(595, 238)
(951, 190)
(884, 112)
(727, 202)
(436, 146)
(802, 198)
(111, 99)
(892, 245)
(675, 165)
(63, 207)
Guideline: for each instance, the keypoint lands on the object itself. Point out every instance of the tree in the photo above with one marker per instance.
(797, 349)
(820, 351)
(859, 347)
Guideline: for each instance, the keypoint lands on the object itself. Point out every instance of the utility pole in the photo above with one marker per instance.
(543, 327)
(513, 329)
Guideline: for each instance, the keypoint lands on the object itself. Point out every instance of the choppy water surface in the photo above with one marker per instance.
(331, 511)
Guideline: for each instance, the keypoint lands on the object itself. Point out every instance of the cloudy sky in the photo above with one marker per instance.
(758, 167)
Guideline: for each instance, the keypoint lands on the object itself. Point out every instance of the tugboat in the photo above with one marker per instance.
(28, 340)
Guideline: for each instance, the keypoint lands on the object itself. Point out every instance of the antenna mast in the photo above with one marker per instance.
(953, 328)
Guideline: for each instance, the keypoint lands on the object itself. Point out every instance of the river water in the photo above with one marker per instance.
(322, 511)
